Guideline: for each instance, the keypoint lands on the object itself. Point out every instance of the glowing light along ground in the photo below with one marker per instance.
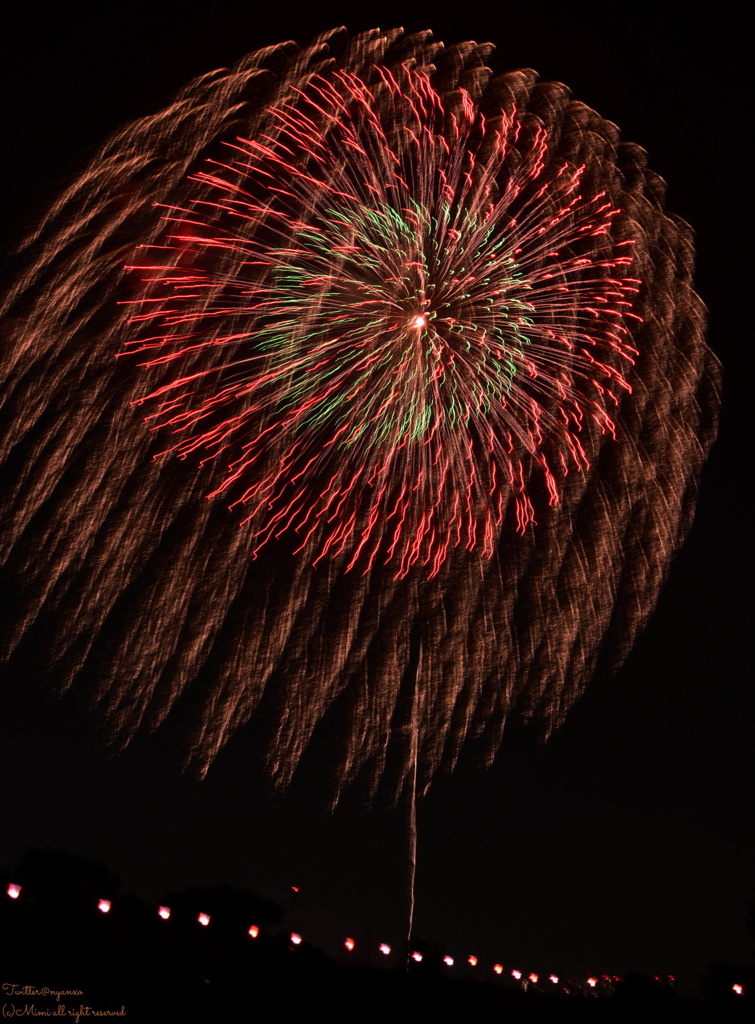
(570, 986)
(397, 295)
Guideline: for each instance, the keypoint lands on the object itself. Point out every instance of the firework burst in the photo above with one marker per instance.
(388, 309)
(432, 337)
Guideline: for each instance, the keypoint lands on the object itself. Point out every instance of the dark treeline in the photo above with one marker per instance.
(130, 963)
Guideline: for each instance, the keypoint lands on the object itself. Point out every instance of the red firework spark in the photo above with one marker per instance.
(383, 311)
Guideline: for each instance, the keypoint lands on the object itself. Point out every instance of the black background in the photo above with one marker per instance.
(627, 842)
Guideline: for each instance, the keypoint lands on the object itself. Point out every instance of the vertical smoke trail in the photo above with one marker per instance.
(539, 386)
(411, 800)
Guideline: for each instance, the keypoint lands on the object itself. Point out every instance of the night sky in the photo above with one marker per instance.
(624, 844)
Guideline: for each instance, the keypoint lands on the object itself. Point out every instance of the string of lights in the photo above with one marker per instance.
(595, 984)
